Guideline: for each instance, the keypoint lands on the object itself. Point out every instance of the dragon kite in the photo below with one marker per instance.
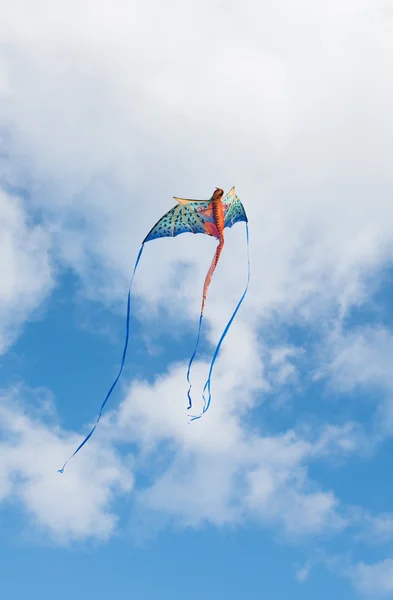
(209, 217)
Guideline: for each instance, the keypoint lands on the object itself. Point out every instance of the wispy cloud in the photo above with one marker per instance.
(373, 580)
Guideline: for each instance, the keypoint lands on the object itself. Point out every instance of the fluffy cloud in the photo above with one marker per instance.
(221, 470)
(108, 126)
(64, 508)
(25, 269)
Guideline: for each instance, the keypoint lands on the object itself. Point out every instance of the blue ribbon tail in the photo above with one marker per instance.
(206, 402)
(120, 370)
(192, 360)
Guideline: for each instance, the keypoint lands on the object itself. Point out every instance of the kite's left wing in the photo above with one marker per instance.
(188, 216)
(233, 209)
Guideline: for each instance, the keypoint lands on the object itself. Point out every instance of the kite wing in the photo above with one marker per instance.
(233, 209)
(188, 216)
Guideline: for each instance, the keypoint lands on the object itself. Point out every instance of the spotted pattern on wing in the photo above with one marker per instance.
(233, 209)
(185, 217)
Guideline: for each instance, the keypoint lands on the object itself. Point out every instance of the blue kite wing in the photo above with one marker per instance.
(233, 209)
(188, 216)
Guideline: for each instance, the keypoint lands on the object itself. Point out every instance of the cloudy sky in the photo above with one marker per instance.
(284, 488)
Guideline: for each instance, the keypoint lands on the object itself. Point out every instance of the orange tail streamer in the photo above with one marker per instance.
(210, 272)
(208, 279)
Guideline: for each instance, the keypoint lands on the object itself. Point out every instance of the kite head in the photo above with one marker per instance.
(218, 193)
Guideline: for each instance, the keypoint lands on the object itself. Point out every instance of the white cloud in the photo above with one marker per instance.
(220, 470)
(71, 507)
(25, 269)
(221, 473)
(109, 126)
(374, 580)
(360, 360)
(377, 528)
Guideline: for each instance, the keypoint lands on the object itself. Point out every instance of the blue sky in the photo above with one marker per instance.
(283, 489)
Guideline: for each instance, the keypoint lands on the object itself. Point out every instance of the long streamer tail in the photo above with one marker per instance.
(206, 402)
(211, 270)
(120, 370)
(208, 279)
(192, 360)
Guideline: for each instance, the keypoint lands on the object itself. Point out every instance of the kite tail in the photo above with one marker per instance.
(121, 365)
(208, 279)
(208, 382)
(192, 360)
(210, 272)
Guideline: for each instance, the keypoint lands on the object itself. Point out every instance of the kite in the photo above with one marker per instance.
(209, 217)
